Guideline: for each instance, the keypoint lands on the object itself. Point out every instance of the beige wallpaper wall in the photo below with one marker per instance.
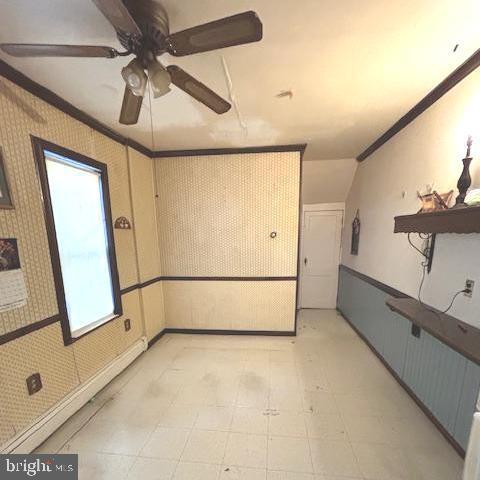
(216, 213)
(215, 217)
(230, 305)
(146, 239)
(63, 368)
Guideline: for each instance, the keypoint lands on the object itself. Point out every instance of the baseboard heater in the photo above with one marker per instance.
(35, 434)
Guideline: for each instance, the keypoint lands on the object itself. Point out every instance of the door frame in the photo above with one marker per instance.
(316, 207)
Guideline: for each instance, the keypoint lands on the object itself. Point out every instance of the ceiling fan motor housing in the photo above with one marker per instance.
(152, 20)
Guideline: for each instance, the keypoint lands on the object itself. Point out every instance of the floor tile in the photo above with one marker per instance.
(210, 401)
(91, 438)
(334, 458)
(214, 418)
(379, 462)
(246, 450)
(426, 463)
(287, 400)
(249, 420)
(274, 475)
(166, 443)
(205, 446)
(196, 471)
(290, 454)
(320, 402)
(151, 469)
(253, 392)
(179, 416)
(229, 472)
(102, 466)
(287, 423)
(127, 440)
(368, 429)
(328, 426)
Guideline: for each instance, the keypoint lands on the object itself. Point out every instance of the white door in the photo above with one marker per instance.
(321, 237)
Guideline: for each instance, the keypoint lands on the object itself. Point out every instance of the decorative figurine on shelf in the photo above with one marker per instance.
(465, 180)
(433, 201)
(355, 234)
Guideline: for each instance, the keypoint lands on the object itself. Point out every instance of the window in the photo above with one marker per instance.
(77, 210)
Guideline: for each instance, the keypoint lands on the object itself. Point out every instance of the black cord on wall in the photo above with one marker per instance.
(424, 265)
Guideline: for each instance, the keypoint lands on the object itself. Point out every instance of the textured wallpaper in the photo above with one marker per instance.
(216, 214)
(62, 368)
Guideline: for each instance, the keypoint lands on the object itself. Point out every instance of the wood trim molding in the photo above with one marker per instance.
(205, 279)
(410, 392)
(300, 147)
(434, 95)
(320, 207)
(381, 286)
(39, 146)
(156, 338)
(53, 99)
(33, 327)
(202, 331)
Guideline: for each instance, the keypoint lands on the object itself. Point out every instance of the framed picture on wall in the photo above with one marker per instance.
(5, 198)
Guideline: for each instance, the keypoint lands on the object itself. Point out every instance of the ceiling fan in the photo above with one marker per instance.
(142, 29)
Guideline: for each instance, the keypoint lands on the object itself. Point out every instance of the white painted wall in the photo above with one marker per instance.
(326, 181)
(429, 150)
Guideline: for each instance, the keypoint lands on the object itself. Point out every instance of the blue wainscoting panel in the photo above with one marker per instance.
(444, 380)
(364, 305)
(468, 400)
(396, 334)
(435, 373)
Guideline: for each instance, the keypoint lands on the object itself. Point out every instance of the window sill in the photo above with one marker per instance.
(82, 332)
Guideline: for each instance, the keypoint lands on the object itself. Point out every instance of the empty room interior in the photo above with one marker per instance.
(239, 240)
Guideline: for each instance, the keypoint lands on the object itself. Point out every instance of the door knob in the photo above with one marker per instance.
(305, 260)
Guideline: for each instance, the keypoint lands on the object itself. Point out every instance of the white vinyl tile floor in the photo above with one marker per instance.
(318, 406)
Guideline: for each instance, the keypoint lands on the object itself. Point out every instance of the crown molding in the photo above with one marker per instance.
(433, 96)
(297, 147)
(20, 79)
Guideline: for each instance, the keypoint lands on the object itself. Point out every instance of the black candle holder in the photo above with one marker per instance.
(465, 180)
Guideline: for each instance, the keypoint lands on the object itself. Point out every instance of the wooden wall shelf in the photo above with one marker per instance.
(460, 336)
(454, 220)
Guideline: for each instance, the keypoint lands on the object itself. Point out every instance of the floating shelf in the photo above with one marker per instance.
(460, 336)
(454, 220)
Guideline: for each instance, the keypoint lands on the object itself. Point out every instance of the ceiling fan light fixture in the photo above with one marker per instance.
(159, 78)
(135, 78)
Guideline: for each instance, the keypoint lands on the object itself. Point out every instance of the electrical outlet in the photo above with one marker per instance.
(127, 324)
(469, 284)
(34, 383)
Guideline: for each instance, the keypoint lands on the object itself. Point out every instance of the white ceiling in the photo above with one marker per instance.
(354, 67)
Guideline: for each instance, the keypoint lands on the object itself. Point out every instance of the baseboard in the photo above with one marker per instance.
(34, 435)
(458, 448)
(159, 335)
(156, 338)
(200, 331)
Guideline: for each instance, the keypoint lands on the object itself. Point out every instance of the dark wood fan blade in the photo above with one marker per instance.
(197, 90)
(131, 106)
(39, 50)
(118, 15)
(226, 32)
